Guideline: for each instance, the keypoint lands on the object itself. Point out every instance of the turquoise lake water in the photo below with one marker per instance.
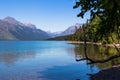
(42, 60)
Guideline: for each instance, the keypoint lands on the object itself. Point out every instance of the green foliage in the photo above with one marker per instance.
(96, 52)
(104, 21)
(93, 33)
(78, 36)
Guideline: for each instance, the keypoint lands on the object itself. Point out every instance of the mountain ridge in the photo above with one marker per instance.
(69, 31)
(11, 29)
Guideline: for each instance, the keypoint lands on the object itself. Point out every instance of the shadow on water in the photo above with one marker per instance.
(68, 72)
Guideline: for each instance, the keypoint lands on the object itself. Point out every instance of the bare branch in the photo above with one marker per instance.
(98, 61)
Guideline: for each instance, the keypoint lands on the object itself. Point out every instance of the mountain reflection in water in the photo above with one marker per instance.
(9, 58)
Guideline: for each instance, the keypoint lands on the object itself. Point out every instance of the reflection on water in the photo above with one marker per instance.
(10, 58)
(96, 52)
(50, 60)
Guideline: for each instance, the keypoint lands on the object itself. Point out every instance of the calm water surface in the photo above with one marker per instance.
(49, 60)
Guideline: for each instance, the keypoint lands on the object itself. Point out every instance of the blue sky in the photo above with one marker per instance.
(48, 15)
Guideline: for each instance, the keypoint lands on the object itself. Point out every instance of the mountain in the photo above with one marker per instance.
(68, 34)
(69, 31)
(11, 29)
(54, 34)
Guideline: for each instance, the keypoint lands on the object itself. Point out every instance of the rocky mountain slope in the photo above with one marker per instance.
(11, 29)
(69, 31)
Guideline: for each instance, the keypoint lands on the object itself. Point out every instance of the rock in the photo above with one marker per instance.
(107, 74)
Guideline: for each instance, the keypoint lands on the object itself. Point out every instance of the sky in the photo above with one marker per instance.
(48, 15)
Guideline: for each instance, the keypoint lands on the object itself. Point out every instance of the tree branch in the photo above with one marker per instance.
(98, 61)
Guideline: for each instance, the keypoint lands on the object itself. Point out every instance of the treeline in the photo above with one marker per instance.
(104, 22)
(93, 31)
(62, 38)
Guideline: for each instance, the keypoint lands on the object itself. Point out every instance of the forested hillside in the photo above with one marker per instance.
(93, 33)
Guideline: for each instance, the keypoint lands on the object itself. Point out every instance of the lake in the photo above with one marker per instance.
(50, 60)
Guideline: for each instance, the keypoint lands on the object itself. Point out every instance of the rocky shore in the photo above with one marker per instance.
(107, 74)
(112, 73)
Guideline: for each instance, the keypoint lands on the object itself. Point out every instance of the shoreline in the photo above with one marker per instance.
(112, 73)
(95, 43)
(107, 74)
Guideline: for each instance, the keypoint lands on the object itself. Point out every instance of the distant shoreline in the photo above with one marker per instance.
(96, 43)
